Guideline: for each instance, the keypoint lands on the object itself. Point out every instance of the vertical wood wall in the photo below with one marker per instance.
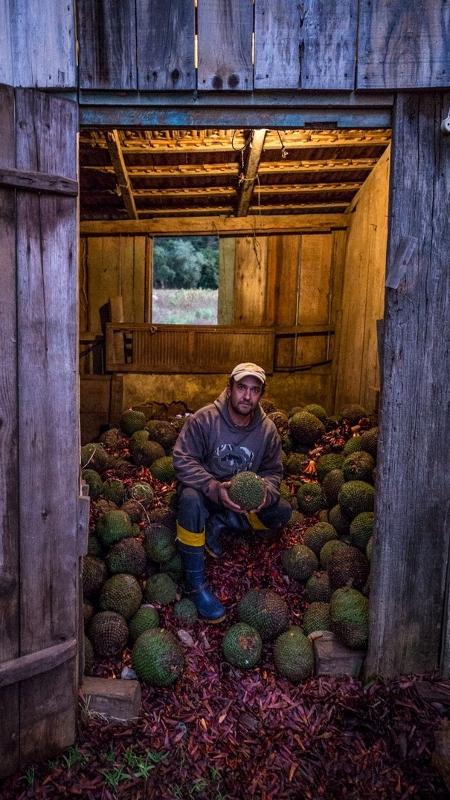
(356, 367)
(143, 45)
(39, 431)
(410, 570)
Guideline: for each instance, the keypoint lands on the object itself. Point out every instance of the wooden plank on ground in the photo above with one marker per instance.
(9, 499)
(225, 45)
(403, 45)
(308, 45)
(107, 36)
(410, 566)
(48, 418)
(44, 44)
(165, 44)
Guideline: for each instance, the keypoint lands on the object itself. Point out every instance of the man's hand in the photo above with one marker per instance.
(225, 499)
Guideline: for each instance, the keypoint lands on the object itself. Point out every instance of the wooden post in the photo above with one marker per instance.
(410, 567)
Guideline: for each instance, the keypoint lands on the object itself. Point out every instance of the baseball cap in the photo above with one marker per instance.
(247, 369)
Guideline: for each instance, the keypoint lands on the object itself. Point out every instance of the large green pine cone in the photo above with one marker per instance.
(338, 520)
(361, 529)
(264, 610)
(93, 575)
(332, 484)
(369, 441)
(349, 614)
(348, 567)
(127, 556)
(108, 632)
(121, 593)
(94, 482)
(352, 445)
(113, 526)
(355, 497)
(317, 535)
(328, 549)
(317, 587)
(293, 655)
(358, 467)
(94, 456)
(142, 493)
(159, 543)
(163, 432)
(317, 617)
(114, 490)
(242, 646)
(310, 498)
(157, 657)
(353, 413)
(328, 462)
(306, 428)
(145, 619)
(163, 469)
(247, 490)
(132, 421)
(185, 611)
(160, 588)
(299, 562)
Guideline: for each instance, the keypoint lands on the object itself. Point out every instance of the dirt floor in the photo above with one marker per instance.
(222, 734)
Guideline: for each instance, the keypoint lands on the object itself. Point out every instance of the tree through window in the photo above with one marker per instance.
(185, 280)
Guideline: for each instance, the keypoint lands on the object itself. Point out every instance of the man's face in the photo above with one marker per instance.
(245, 395)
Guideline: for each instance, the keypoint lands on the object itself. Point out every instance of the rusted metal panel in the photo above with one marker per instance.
(225, 45)
(308, 45)
(403, 45)
(410, 566)
(188, 349)
(165, 44)
(107, 35)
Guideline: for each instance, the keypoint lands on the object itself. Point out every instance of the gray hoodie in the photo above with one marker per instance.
(211, 449)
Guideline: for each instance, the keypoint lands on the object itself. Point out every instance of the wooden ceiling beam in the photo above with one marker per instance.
(295, 140)
(227, 191)
(250, 174)
(120, 170)
(231, 169)
(224, 225)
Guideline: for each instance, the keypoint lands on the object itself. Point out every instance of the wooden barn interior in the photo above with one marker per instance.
(301, 220)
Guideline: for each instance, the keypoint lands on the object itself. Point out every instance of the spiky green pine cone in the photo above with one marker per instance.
(349, 613)
(264, 610)
(113, 526)
(157, 657)
(127, 556)
(160, 588)
(299, 562)
(317, 535)
(247, 490)
(121, 593)
(242, 646)
(145, 618)
(132, 421)
(159, 543)
(317, 618)
(293, 655)
(108, 632)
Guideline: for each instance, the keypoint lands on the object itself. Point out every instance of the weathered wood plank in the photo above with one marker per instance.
(287, 255)
(308, 45)
(123, 181)
(44, 44)
(38, 182)
(225, 45)
(47, 377)
(289, 223)
(225, 302)
(403, 45)
(107, 36)
(20, 669)
(357, 378)
(250, 277)
(9, 499)
(410, 567)
(6, 54)
(165, 44)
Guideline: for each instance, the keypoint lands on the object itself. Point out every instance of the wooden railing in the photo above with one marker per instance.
(166, 349)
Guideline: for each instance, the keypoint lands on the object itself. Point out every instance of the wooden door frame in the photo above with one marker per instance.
(386, 656)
